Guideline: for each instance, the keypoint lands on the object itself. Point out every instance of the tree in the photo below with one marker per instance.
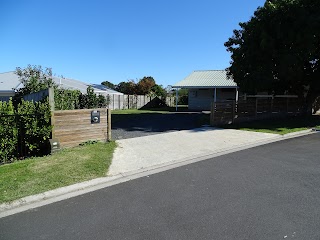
(183, 96)
(278, 49)
(159, 91)
(145, 85)
(34, 79)
(128, 87)
(109, 85)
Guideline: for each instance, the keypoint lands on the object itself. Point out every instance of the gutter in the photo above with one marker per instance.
(7, 91)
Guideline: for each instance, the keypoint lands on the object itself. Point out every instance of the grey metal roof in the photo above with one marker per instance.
(206, 79)
(10, 80)
(105, 88)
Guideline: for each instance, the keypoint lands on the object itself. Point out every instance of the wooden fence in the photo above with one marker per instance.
(133, 101)
(228, 112)
(71, 127)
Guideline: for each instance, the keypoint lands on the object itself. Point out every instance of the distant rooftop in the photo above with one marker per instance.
(206, 79)
(10, 81)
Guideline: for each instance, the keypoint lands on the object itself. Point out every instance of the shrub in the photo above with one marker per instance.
(8, 132)
(24, 130)
(65, 99)
(35, 117)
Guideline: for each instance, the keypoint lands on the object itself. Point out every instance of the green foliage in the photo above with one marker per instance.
(25, 129)
(127, 87)
(159, 91)
(145, 85)
(8, 132)
(277, 50)
(35, 126)
(109, 85)
(65, 99)
(89, 142)
(34, 79)
(92, 100)
(182, 96)
(102, 101)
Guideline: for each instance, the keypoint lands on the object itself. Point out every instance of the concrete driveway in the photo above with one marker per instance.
(136, 154)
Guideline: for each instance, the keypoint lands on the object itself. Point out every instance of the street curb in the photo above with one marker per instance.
(74, 190)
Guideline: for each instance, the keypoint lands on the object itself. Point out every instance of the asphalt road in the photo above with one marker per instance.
(267, 192)
(137, 125)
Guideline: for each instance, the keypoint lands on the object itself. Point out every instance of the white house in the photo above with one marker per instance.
(208, 86)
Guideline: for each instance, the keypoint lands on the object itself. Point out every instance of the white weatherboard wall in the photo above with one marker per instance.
(201, 99)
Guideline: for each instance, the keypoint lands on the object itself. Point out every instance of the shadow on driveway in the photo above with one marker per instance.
(136, 125)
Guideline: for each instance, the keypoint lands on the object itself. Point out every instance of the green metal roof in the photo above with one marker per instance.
(206, 79)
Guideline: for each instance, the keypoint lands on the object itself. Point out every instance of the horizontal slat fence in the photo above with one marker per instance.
(254, 108)
(72, 127)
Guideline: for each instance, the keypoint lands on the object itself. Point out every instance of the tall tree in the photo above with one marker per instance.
(128, 87)
(109, 85)
(278, 49)
(159, 91)
(145, 85)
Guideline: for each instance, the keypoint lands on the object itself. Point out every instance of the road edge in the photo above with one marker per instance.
(38, 200)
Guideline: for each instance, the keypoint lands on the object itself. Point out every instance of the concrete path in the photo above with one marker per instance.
(144, 152)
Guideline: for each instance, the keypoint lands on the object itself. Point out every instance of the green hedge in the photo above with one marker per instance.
(8, 132)
(66, 99)
(25, 130)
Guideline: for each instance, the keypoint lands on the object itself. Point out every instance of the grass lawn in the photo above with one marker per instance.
(40, 174)
(279, 126)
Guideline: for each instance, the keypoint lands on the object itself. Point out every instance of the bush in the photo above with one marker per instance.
(8, 132)
(36, 131)
(65, 99)
(24, 130)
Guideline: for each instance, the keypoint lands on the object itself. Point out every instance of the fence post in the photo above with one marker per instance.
(51, 103)
(256, 107)
(233, 111)
(109, 124)
(212, 113)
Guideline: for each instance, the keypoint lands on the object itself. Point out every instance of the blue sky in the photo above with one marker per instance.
(118, 40)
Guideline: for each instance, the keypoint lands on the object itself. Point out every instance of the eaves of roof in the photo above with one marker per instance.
(206, 79)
